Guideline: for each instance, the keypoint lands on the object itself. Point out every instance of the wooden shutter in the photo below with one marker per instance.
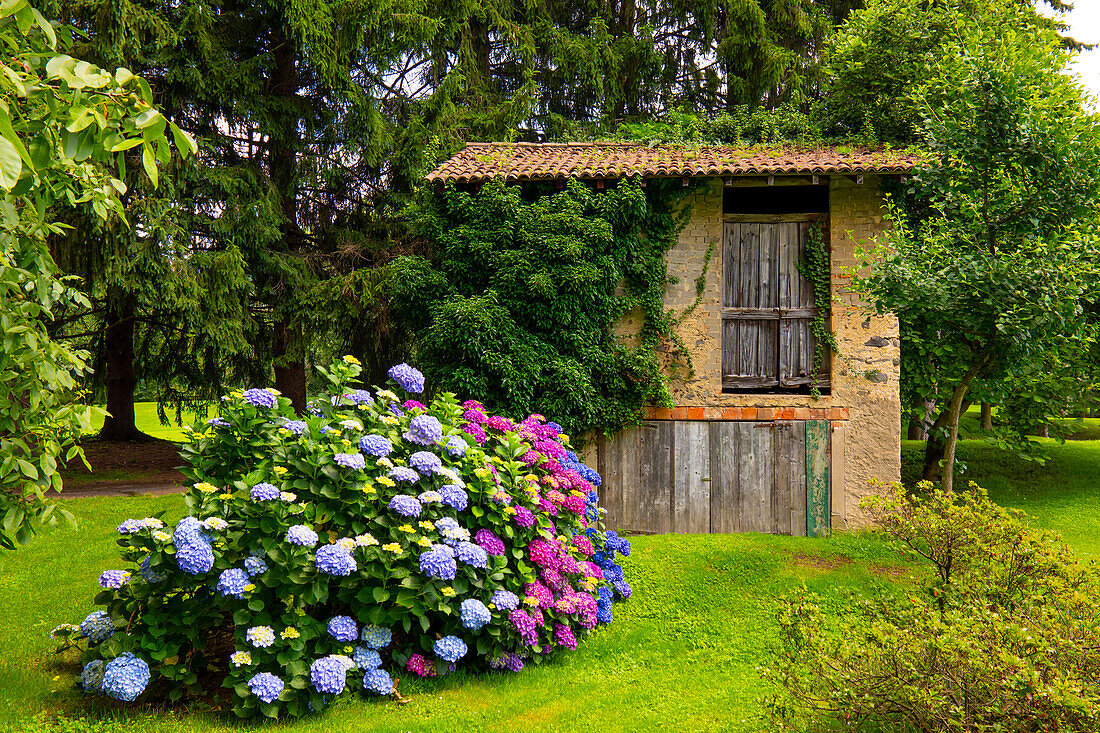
(767, 340)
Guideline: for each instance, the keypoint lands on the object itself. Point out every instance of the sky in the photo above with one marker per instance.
(1084, 25)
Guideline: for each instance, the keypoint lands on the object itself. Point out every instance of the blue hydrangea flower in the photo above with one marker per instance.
(425, 462)
(148, 574)
(445, 549)
(264, 492)
(452, 530)
(187, 531)
(343, 628)
(130, 526)
(471, 554)
(97, 627)
(406, 506)
(335, 560)
(376, 637)
(254, 566)
(91, 677)
(366, 658)
(375, 445)
(260, 397)
(400, 473)
(408, 378)
(430, 497)
(396, 410)
(125, 677)
(114, 579)
(449, 648)
(622, 588)
(437, 564)
(298, 427)
(195, 558)
(232, 582)
(360, 397)
(266, 686)
(328, 674)
(603, 614)
(379, 681)
(424, 430)
(613, 573)
(453, 496)
(456, 447)
(218, 422)
(474, 614)
(604, 594)
(505, 600)
(350, 460)
(301, 535)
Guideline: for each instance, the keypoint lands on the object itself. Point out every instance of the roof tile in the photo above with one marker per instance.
(552, 161)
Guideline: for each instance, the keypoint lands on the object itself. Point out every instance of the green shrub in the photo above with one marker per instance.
(371, 536)
(1005, 635)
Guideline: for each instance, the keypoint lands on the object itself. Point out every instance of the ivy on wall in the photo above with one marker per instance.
(518, 303)
(815, 268)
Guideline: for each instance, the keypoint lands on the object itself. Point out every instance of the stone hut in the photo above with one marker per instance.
(758, 440)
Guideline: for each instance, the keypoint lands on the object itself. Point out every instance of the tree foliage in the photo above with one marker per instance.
(64, 128)
(993, 272)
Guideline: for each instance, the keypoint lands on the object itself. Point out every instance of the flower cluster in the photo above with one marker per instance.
(378, 534)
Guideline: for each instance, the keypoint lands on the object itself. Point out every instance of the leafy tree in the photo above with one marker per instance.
(64, 127)
(995, 272)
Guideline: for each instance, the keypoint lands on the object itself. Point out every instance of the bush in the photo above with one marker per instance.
(1005, 637)
(323, 554)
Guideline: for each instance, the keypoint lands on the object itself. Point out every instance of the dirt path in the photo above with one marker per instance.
(123, 468)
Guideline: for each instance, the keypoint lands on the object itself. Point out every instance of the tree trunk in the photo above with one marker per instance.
(939, 454)
(290, 373)
(987, 416)
(480, 52)
(121, 381)
(918, 428)
(1043, 431)
(288, 339)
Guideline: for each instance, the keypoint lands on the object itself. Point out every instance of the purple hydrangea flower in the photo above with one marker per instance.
(360, 397)
(406, 506)
(187, 531)
(424, 430)
(232, 582)
(297, 427)
(130, 526)
(328, 675)
(266, 687)
(505, 600)
(476, 432)
(114, 579)
(148, 574)
(507, 660)
(301, 535)
(524, 626)
(400, 473)
(343, 628)
(425, 462)
(449, 648)
(375, 445)
(456, 447)
(489, 542)
(438, 564)
(350, 460)
(218, 422)
(453, 496)
(622, 588)
(524, 517)
(408, 378)
(264, 492)
(260, 397)
(335, 560)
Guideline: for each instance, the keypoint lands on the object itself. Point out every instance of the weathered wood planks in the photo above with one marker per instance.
(718, 476)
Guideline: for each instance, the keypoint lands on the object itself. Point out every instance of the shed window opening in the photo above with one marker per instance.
(768, 308)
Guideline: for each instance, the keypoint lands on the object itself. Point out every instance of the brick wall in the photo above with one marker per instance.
(863, 407)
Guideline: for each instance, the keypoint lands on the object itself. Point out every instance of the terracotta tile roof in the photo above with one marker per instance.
(551, 161)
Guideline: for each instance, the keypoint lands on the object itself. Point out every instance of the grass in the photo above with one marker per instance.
(682, 654)
(147, 421)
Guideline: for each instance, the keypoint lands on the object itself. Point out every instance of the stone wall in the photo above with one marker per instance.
(863, 406)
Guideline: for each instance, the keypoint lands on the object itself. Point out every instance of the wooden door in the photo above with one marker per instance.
(768, 306)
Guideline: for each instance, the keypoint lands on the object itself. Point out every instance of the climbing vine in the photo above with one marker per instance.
(814, 267)
(700, 286)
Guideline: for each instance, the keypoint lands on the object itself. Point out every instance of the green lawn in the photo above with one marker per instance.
(145, 416)
(682, 654)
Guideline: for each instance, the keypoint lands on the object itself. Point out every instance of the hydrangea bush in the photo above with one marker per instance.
(329, 553)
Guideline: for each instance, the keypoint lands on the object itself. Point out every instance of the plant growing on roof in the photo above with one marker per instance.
(330, 552)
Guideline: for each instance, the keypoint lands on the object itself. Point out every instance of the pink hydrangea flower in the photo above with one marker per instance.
(524, 517)
(563, 635)
(582, 543)
(420, 665)
(489, 542)
(498, 422)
